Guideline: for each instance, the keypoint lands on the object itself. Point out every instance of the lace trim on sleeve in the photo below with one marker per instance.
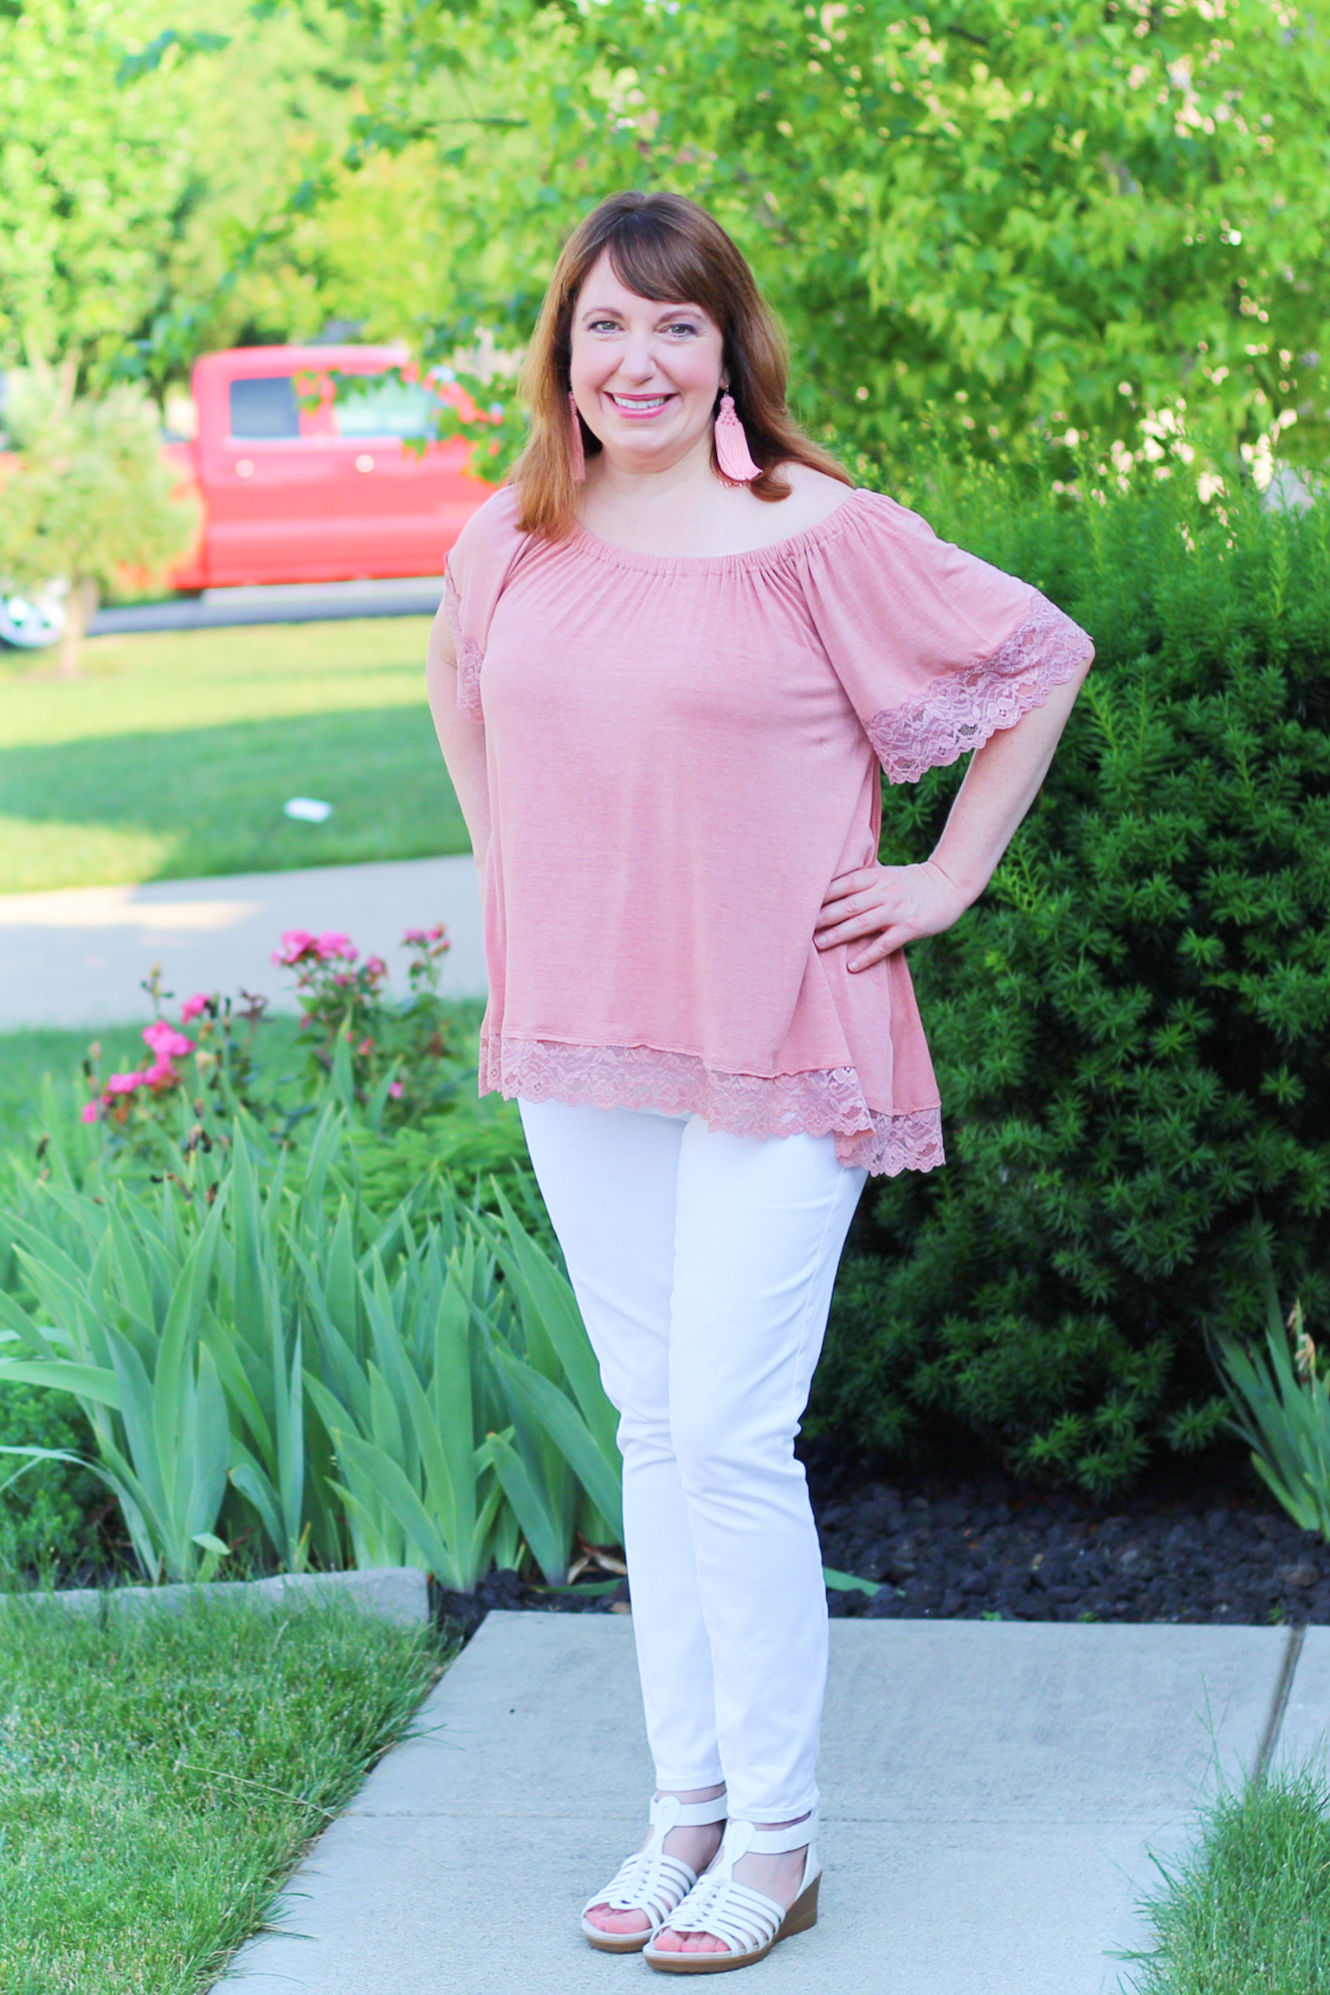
(824, 1103)
(960, 710)
(469, 653)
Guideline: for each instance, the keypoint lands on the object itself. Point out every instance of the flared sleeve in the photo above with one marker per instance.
(935, 648)
(479, 563)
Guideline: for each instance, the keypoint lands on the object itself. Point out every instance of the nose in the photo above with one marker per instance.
(637, 362)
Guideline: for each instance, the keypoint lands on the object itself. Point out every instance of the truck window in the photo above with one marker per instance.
(370, 405)
(265, 406)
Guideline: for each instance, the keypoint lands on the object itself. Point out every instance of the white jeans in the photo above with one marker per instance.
(703, 1265)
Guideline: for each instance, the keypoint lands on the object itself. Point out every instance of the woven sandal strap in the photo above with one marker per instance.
(732, 1912)
(646, 1883)
(763, 1841)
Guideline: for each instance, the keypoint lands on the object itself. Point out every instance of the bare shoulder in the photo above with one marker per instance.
(813, 496)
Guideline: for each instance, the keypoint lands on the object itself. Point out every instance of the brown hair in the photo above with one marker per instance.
(664, 247)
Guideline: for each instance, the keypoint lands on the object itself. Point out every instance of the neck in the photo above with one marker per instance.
(641, 485)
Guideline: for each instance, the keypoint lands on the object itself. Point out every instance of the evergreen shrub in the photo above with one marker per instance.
(1130, 1026)
(46, 1507)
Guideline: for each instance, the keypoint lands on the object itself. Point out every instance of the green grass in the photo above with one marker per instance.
(161, 1774)
(173, 753)
(1248, 1912)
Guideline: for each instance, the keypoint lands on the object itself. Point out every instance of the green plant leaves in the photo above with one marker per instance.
(361, 1391)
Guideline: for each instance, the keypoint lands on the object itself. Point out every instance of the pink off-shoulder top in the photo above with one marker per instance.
(682, 753)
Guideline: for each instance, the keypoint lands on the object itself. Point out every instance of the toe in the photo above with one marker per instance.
(617, 1922)
(668, 1941)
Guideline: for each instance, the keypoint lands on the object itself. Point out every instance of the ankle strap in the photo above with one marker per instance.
(688, 1814)
(741, 1837)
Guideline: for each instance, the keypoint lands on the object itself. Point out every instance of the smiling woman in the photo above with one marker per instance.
(637, 341)
(673, 661)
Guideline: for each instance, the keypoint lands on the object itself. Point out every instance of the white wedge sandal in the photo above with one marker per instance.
(748, 1921)
(649, 1881)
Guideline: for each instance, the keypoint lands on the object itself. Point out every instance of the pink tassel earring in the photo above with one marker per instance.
(732, 452)
(576, 451)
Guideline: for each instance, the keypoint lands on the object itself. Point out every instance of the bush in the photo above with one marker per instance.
(44, 1511)
(1129, 1027)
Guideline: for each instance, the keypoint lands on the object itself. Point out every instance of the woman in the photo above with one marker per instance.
(673, 652)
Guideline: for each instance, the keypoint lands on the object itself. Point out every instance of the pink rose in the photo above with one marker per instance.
(295, 943)
(333, 944)
(192, 1007)
(91, 1110)
(376, 966)
(165, 1041)
(416, 935)
(395, 1090)
(122, 1084)
(163, 1075)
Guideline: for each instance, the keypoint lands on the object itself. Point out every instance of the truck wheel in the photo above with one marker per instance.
(30, 623)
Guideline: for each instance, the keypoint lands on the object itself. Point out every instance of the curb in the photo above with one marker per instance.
(399, 1594)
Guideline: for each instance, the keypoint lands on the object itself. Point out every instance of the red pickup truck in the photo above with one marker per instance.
(302, 460)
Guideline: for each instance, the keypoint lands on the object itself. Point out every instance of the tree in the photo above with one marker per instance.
(88, 493)
(1037, 219)
(154, 181)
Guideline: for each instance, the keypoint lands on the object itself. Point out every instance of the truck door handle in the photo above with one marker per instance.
(364, 462)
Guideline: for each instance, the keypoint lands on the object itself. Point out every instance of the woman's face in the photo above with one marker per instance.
(645, 375)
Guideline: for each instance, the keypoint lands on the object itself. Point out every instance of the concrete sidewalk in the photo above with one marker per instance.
(991, 1793)
(79, 956)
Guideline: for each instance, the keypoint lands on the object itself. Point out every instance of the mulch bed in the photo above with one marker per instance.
(1196, 1542)
(1200, 1541)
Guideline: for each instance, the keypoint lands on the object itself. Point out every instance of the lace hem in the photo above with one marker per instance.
(469, 653)
(825, 1103)
(960, 710)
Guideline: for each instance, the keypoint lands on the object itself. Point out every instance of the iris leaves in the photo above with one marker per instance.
(253, 1358)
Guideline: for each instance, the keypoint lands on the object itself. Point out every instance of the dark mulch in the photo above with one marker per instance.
(1195, 1542)
(1200, 1541)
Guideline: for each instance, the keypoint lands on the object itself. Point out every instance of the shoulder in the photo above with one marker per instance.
(491, 535)
(813, 497)
(873, 517)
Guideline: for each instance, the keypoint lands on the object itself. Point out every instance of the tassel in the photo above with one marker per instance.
(576, 452)
(732, 452)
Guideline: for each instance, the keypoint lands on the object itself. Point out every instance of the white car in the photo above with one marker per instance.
(31, 622)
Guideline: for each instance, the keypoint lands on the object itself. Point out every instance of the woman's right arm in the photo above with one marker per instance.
(461, 738)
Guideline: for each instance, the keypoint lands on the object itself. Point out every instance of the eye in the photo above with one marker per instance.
(684, 326)
(602, 325)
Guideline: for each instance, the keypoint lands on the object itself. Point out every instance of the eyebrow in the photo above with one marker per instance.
(666, 311)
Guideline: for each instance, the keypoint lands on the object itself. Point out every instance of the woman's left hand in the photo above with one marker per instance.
(887, 906)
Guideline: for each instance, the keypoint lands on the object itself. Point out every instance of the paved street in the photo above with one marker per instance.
(280, 602)
(78, 956)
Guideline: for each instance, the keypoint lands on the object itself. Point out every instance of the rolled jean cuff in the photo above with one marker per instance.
(684, 1783)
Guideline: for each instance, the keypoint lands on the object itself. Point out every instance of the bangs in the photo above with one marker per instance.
(658, 260)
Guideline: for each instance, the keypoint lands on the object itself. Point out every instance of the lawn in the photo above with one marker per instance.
(172, 755)
(1247, 1911)
(161, 1774)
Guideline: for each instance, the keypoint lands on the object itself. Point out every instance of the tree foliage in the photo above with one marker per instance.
(86, 493)
(155, 181)
(1062, 216)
